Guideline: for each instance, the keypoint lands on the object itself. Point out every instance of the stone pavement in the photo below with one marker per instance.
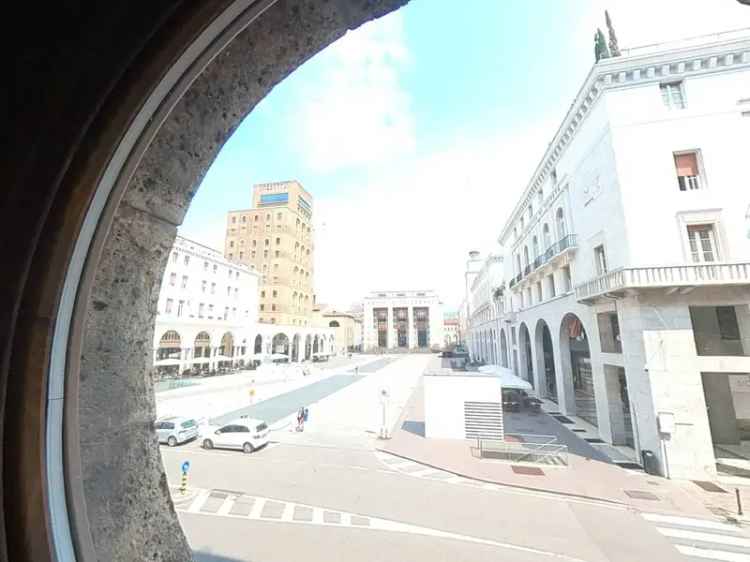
(588, 476)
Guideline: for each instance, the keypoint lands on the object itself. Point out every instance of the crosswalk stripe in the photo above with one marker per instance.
(704, 537)
(257, 508)
(286, 515)
(721, 555)
(226, 506)
(687, 521)
(199, 501)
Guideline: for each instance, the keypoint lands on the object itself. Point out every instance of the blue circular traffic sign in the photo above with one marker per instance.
(185, 466)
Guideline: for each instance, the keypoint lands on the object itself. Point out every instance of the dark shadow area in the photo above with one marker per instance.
(199, 556)
(415, 427)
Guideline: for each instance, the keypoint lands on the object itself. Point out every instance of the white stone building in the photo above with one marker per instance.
(403, 320)
(484, 310)
(207, 316)
(628, 258)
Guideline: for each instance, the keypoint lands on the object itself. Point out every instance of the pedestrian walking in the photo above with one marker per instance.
(301, 419)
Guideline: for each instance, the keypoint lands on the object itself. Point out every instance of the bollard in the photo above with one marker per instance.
(183, 483)
(739, 501)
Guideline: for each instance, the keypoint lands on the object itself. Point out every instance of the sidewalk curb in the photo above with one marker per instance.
(514, 486)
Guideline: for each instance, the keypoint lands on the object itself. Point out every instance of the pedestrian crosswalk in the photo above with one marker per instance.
(702, 539)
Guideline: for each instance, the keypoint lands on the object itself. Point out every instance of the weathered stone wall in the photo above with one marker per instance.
(127, 499)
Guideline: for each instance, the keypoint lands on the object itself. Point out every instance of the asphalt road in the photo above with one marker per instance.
(355, 481)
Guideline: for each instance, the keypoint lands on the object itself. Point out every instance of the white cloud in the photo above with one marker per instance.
(357, 112)
(412, 227)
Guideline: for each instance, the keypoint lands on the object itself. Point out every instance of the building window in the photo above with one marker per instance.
(210, 311)
(673, 95)
(184, 282)
(267, 242)
(187, 260)
(201, 307)
(213, 288)
(275, 293)
(172, 279)
(562, 229)
(168, 306)
(231, 243)
(688, 171)
(265, 253)
(174, 257)
(273, 308)
(278, 241)
(203, 286)
(252, 255)
(255, 243)
(229, 291)
(242, 254)
(609, 332)
(231, 255)
(278, 216)
(551, 283)
(539, 294)
(234, 220)
(277, 253)
(702, 240)
(236, 293)
(262, 294)
(180, 307)
(601, 260)
(567, 280)
(268, 217)
(716, 330)
(244, 218)
(205, 266)
(216, 268)
(262, 307)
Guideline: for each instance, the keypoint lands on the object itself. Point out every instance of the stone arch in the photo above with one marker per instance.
(503, 349)
(308, 347)
(316, 344)
(545, 361)
(258, 344)
(280, 344)
(526, 354)
(131, 118)
(576, 370)
(226, 349)
(295, 348)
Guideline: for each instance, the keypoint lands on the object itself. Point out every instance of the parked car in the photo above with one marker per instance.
(176, 430)
(246, 434)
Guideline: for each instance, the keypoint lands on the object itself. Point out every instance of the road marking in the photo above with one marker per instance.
(226, 506)
(722, 555)
(704, 537)
(288, 512)
(257, 508)
(359, 521)
(688, 521)
(199, 501)
(423, 472)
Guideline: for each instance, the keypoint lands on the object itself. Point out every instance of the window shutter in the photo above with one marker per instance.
(686, 164)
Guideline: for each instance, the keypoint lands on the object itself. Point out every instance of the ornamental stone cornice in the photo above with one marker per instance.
(674, 61)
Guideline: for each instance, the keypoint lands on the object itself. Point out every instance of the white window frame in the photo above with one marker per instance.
(708, 217)
(702, 178)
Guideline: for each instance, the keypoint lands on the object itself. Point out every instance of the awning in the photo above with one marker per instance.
(200, 360)
(167, 362)
(508, 378)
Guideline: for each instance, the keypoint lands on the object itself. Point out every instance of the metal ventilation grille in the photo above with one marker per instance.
(483, 419)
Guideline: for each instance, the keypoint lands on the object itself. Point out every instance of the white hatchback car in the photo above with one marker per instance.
(175, 430)
(247, 434)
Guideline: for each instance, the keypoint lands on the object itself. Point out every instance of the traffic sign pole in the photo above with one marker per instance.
(183, 483)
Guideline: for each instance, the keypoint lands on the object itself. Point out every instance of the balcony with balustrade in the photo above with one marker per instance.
(671, 278)
(557, 254)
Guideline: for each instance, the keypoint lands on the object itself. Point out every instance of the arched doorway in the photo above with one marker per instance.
(168, 354)
(527, 362)
(258, 345)
(316, 344)
(295, 347)
(545, 361)
(202, 352)
(226, 351)
(280, 344)
(308, 347)
(503, 349)
(576, 368)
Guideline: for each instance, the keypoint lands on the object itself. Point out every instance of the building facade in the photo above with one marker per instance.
(403, 320)
(450, 330)
(484, 308)
(627, 259)
(276, 238)
(207, 316)
(347, 328)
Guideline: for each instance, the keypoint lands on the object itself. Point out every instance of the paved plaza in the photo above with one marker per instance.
(337, 492)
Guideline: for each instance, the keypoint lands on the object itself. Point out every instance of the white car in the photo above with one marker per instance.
(175, 430)
(247, 434)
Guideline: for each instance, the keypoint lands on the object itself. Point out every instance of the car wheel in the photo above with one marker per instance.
(208, 444)
(171, 441)
(248, 448)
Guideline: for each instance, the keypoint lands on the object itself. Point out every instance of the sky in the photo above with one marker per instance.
(417, 133)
